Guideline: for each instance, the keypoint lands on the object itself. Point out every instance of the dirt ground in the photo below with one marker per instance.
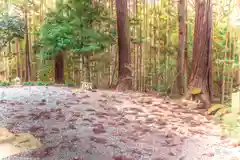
(108, 125)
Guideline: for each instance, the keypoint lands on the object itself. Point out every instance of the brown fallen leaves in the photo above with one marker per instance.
(98, 129)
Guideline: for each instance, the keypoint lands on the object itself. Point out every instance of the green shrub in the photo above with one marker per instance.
(69, 84)
(4, 84)
(39, 83)
(29, 83)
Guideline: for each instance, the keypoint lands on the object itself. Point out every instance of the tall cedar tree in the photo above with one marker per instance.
(201, 76)
(27, 48)
(124, 72)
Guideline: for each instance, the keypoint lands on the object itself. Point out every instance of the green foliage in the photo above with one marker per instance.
(39, 83)
(75, 26)
(4, 84)
(162, 88)
(69, 84)
(10, 27)
(29, 83)
(45, 71)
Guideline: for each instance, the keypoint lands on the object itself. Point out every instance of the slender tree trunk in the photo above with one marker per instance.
(27, 49)
(180, 58)
(59, 68)
(87, 68)
(201, 76)
(18, 59)
(124, 71)
(186, 51)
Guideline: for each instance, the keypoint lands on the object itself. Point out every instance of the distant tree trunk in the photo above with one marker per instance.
(59, 68)
(124, 71)
(18, 58)
(181, 57)
(201, 76)
(186, 64)
(87, 68)
(27, 49)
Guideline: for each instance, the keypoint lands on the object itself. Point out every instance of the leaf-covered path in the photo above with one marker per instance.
(105, 125)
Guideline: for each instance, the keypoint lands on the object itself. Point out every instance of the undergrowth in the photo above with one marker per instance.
(69, 84)
(4, 83)
(38, 83)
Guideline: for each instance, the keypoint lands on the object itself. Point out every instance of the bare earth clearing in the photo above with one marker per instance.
(105, 125)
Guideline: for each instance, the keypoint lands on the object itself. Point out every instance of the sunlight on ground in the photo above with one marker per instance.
(11, 144)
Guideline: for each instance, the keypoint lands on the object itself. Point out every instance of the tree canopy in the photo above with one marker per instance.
(78, 26)
(11, 26)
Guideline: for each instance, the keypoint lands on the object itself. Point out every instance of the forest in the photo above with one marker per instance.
(144, 45)
(184, 49)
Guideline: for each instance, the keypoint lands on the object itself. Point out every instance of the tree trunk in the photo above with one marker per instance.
(59, 68)
(27, 50)
(124, 71)
(181, 44)
(186, 64)
(201, 76)
(87, 68)
(18, 59)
